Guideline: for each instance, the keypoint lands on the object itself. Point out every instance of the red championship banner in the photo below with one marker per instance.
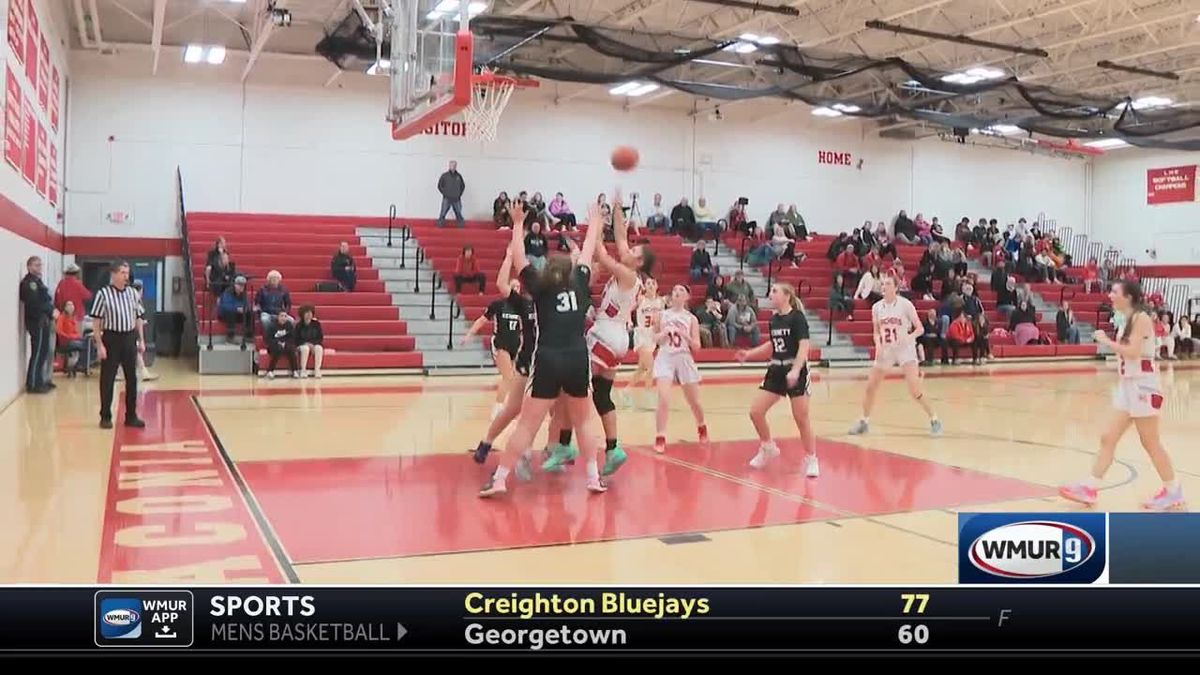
(52, 188)
(1171, 184)
(55, 87)
(16, 28)
(29, 140)
(43, 81)
(32, 40)
(43, 160)
(14, 128)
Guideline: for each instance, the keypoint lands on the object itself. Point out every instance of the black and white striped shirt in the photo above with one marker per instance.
(119, 308)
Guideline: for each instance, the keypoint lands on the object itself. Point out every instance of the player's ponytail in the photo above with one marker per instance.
(1137, 300)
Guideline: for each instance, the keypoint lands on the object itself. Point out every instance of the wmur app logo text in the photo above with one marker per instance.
(1031, 548)
(144, 618)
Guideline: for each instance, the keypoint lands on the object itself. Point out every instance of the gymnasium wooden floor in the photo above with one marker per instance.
(366, 480)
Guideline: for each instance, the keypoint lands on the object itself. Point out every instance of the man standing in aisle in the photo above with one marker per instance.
(39, 318)
(452, 186)
(118, 323)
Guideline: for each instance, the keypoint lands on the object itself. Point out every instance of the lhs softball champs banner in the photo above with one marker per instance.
(1171, 184)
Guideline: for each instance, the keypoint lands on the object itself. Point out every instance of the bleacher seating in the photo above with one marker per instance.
(363, 329)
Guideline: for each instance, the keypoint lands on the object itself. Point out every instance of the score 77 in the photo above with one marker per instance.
(919, 599)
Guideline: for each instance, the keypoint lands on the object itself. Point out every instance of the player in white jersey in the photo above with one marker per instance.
(1138, 400)
(896, 329)
(678, 335)
(650, 306)
(608, 338)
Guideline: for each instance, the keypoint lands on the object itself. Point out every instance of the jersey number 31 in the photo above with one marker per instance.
(567, 302)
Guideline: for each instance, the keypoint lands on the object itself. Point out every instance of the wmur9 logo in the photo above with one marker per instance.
(1031, 547)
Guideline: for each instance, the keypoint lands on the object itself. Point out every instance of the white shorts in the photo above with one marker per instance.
(1138, 397)
(891, 356)
(608, 342)
(643, 339)
(679, 367)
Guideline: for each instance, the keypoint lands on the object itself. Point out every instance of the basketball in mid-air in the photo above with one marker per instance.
(624, 158)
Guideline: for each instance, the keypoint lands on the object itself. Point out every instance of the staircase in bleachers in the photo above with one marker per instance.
(364, 329)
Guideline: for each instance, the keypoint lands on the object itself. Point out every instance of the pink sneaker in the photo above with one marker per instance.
(1078, 492)
(1165, 500)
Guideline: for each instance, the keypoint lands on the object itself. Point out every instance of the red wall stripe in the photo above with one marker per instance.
(23, 224)
(1169, 271)
(131, 247)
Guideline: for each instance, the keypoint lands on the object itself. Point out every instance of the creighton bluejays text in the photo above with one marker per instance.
(548, 606)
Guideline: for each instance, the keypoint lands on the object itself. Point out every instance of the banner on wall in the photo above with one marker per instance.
(14, 146)
(29, 140)
(33, 34)
(16, 29)
(52, 188)
(1171, 184)
(43, 159)
(55, 85)
(43, 81)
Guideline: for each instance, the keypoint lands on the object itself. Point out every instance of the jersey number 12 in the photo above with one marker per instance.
(567, 302)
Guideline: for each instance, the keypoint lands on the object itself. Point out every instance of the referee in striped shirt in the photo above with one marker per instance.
(119, 319)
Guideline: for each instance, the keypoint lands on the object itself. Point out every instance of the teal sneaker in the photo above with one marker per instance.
(613, 459)
(559, 456)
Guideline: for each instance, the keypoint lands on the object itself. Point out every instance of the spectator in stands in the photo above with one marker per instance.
(712, 324)
(343, 267)
(798, 225)
(972, 305)
(743, 320)
(657, 219)
(1162, 335)
(1022, 323)
(1182, 336)
(71, 289)
(931, 339)
(1022, 230)
(272, 300)
(840, 242)
(739, 222)
(922, 283)
(451, 186)
(310, 338)
(701, 265)
(951, 284)
(962, 231)
(1064, 324)
(840, 299)
(214, 254)
(896, 269)
(924, 231)
(848, 264)
(904, 229)
(69, 336)
(958, 258)
(633, 214)
(537, 204)
(983, 329)
(561, 212)
(778, 216)
(884, 245)
(1034, 230)
(1027, 266)
(500, 214)
(233, 310)
(740, 288)
(719, 292)
(783, 247)
(935, 231)
(950, 308)
(605, 210)
(536, 246)
(962, 334)
(864, 240)
(705, 220)
(870, 286)
(221, 275)
(979, 233)
(992, 236)
(1012, 244)
(466, 271)
(683, 220)
(281, 341)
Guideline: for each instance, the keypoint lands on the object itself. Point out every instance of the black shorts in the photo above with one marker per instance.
(508, 347)
(524, 362)
(775, 382)
(560, 372)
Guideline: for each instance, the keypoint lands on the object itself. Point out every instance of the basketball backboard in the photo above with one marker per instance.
(432, 62)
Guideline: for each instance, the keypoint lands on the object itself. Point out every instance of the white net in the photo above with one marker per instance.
(488, 101)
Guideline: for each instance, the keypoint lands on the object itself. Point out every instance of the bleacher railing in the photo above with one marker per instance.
(190, 312)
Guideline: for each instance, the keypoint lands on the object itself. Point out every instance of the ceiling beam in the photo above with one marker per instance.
(134, 15)
(265, 27)
(859, 28)
(96, 24)
(156, 35)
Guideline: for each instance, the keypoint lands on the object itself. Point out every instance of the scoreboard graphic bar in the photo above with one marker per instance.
(592, 620)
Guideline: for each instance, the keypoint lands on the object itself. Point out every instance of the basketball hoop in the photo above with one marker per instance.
(489, 97)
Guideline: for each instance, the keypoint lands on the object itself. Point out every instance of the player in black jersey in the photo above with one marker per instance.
(512, 390)
(507, 314)
(561, 365)
(787, 375)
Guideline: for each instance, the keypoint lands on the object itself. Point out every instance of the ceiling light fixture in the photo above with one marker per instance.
(1107, 144)
(822, 111)
(380, 66)
(1149, 102)
(846, 107)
